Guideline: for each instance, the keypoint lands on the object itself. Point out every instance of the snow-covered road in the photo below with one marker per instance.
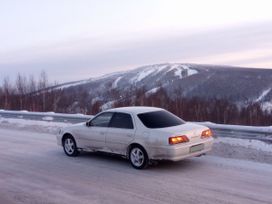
(33, 169)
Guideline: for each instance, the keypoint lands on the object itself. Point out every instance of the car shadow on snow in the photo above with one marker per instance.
(101, 157)
(117, 160)
(183, 165)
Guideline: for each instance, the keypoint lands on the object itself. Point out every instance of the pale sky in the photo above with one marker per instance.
(73, 40)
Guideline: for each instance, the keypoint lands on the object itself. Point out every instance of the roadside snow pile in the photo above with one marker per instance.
(33, 125)
(245, 149)
(250, 144)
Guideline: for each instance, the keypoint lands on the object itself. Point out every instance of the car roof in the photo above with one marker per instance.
(134, 109)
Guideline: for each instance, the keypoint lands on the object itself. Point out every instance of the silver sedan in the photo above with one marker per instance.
(141, 134)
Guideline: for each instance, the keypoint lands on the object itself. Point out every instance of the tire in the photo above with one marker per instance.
(138, 157)
(69, 146)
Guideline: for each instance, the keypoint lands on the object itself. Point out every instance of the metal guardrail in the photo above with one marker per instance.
(265, 137)
(242, 132)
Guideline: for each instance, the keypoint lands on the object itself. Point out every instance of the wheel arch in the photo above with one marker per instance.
(134, 144)
(67, 134)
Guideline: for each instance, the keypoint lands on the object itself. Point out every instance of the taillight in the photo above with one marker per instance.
(178, 139)
(206, 134)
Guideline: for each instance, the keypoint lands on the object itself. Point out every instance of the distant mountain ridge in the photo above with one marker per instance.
(239, 85)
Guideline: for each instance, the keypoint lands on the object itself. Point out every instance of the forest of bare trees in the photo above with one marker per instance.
(197, 109)
(28, 93)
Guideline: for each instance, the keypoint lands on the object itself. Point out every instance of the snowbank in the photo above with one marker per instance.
(32, 125)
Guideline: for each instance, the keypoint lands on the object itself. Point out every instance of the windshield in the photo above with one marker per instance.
(160, 119)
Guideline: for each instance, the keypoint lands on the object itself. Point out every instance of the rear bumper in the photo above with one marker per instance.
(179, 152)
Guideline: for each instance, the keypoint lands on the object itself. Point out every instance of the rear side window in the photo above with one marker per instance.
(102, 120)
(160, 119)
(121, 120)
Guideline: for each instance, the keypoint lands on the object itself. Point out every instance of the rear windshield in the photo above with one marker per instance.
(160, 119)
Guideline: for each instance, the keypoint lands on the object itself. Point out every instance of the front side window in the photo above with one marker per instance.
(121, 120)
(102, 120)
(160, 119)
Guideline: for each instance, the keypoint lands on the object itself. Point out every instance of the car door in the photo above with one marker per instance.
(120, 133)
(94, 134)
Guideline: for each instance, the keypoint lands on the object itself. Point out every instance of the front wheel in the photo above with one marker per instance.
(138, 157)
(69, 146)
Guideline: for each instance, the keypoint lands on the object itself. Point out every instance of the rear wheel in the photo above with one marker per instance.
(138, 157)
(69, 146)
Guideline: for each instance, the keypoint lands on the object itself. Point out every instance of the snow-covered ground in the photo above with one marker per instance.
(224, 147)
(33, 169)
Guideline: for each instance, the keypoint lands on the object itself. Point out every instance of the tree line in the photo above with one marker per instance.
(198, 109)
(28, 93)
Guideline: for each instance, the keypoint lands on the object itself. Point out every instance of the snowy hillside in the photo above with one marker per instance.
(239, 85)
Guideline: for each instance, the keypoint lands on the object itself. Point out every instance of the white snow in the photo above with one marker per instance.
(148, 71)
(143, 74)
(48, 118)
(35, 170)
(25, 122)
(159, 68)
(244, 149)
(72, 84)
(190, 70)
(180, 68)
(108, 75)
(152, 91)
(247, 143)
(107, 105)
(267, 106)
(263, 94)
(94, 100)
(32, 125)
(115, 83)
(251, 144)
(51, 113)
(41, 113)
